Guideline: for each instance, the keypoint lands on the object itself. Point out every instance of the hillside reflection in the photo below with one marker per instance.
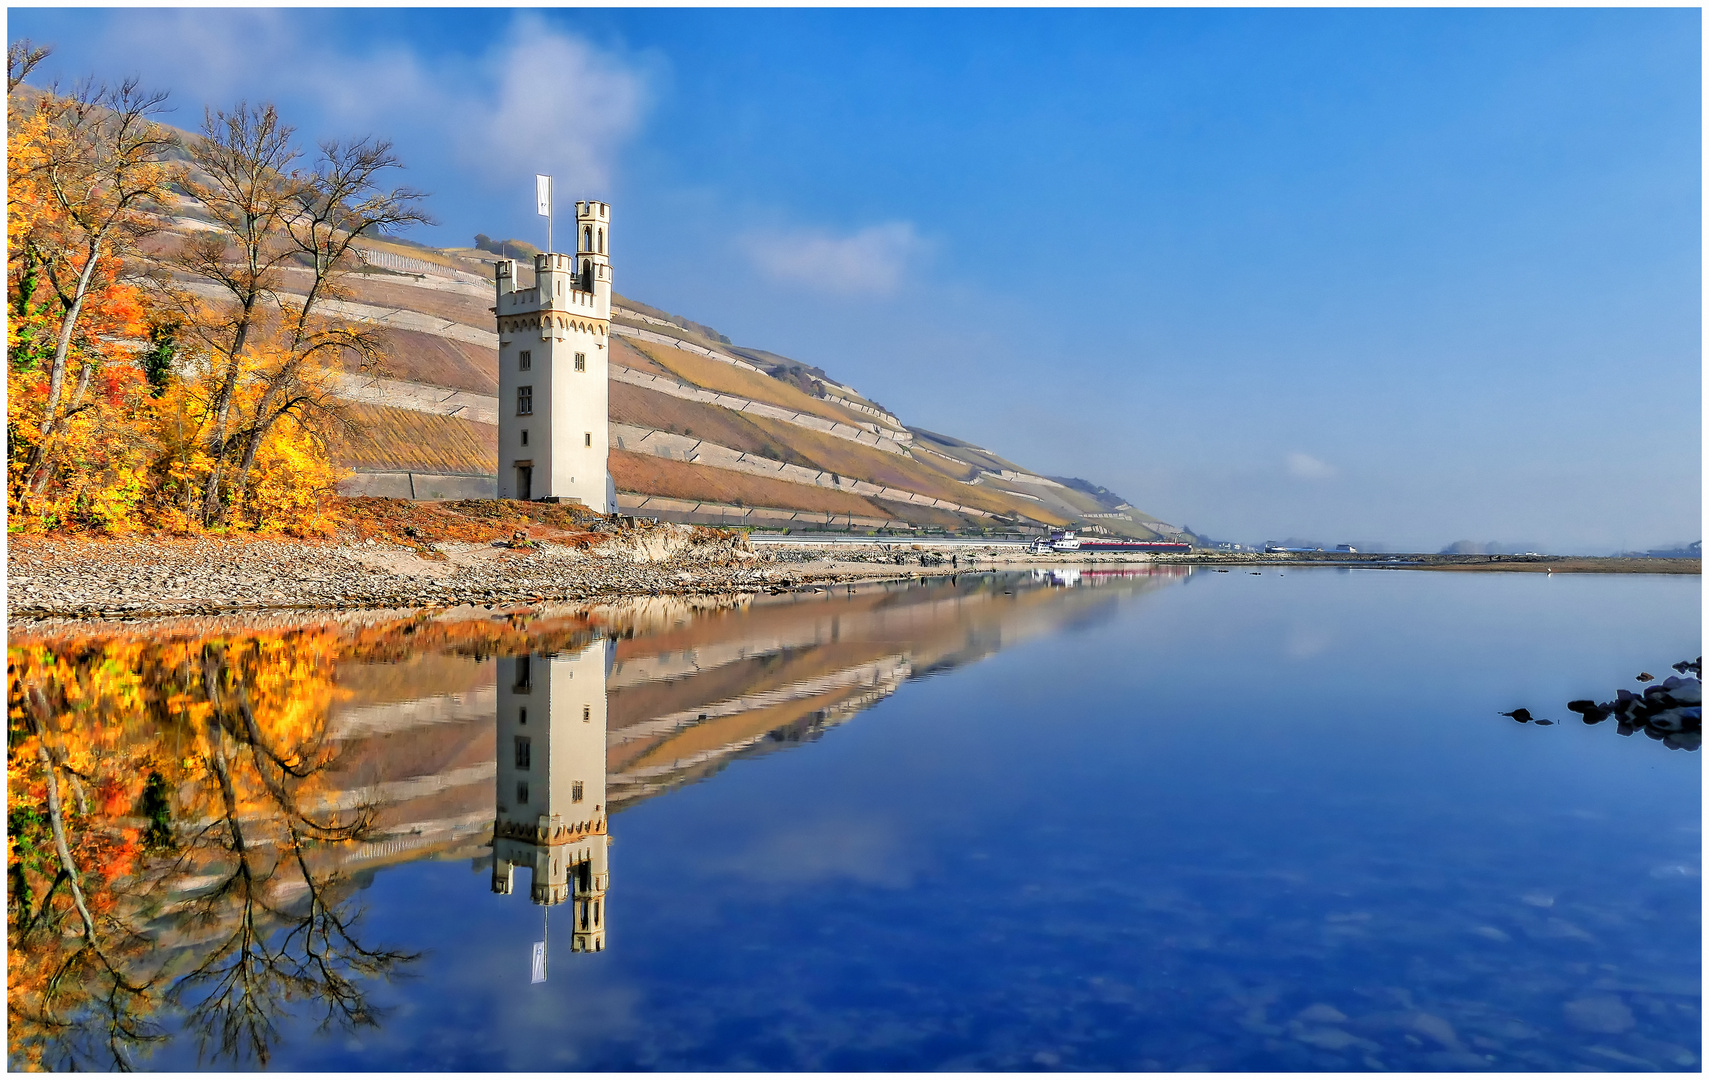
(193, 808)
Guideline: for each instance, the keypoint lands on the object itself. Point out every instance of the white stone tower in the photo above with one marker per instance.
(553, 365)
(551, 809)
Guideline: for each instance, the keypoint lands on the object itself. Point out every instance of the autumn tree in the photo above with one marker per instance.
(221, 745)
(284, 240)
(342, 199)
(241, 177)
(85, 171)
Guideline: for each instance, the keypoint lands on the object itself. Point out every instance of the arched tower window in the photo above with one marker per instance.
(587, 238)
(602, 241)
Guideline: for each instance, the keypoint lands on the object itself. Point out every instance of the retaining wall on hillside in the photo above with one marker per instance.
(757, 408)
(837, 392)
(432, 487)
(706, 513)
(418, 397)
(674, 447)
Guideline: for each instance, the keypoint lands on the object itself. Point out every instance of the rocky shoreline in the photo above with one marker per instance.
(138, 578)
(89, 578)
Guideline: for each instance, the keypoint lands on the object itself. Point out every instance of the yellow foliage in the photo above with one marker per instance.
(294, 483)
(179, 761)
(230, 730)
(126, 454)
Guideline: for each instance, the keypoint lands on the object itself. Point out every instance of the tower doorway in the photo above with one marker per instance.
(525, 482)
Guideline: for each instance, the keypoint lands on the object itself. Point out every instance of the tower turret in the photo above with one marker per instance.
(593, 253)
(554, 277)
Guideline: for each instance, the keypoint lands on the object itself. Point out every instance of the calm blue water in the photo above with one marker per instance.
(1233, 823)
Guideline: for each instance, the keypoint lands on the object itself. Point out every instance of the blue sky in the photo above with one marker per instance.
(1402, 277)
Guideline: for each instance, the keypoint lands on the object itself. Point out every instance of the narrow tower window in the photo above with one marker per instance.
(525, 401)
(524, 436)
(524, 751)
(587, 439)
(576, 791)
(602, 241)
(522, 716)
(587, 713)
(522, 793)
(581, 361)
(524, 360)
(587, 239)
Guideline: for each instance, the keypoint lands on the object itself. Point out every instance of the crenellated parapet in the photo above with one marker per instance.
(553, 369)
(548, 832)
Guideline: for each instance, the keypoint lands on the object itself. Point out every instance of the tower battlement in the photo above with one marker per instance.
(554, 366)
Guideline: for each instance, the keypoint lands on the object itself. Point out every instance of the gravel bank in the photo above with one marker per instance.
(93, 578)
(87, 578)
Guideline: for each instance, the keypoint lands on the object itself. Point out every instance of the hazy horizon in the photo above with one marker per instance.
(1398, 278)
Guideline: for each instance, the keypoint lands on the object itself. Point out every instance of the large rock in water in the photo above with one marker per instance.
(1671, 711)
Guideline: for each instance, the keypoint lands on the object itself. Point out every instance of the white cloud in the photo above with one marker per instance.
(1305, 467)
(570, 126)
(202, 55)
(871, 261)
(492, 115)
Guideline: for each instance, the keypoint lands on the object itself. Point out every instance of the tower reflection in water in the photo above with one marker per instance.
(551, 809)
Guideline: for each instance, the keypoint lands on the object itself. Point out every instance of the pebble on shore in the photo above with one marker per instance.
(131, 578)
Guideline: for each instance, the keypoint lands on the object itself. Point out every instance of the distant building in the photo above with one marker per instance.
(551, 809)
(1347, 548)
(553, 371)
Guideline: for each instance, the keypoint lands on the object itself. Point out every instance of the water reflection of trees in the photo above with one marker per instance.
(216, 903)
(182, 810)
(178, 816)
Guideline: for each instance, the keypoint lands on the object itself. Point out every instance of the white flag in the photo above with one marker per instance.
(539, 965)
(543, 195)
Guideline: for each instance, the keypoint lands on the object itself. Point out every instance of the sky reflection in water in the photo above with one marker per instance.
(1225, 822)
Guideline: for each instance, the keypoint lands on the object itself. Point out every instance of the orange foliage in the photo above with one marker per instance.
(180, 757)
(121, 452)
(234, 728)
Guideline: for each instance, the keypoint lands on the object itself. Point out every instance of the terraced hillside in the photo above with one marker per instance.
(702, 429)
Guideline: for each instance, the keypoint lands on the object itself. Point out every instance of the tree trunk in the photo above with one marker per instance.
(56, 818)
(222, 414)
(36, 479)
(252, 446)
(62, 346)
(83, 378)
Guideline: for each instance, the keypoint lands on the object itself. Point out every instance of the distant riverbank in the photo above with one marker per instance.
(1540, 564)
(1015, 555)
